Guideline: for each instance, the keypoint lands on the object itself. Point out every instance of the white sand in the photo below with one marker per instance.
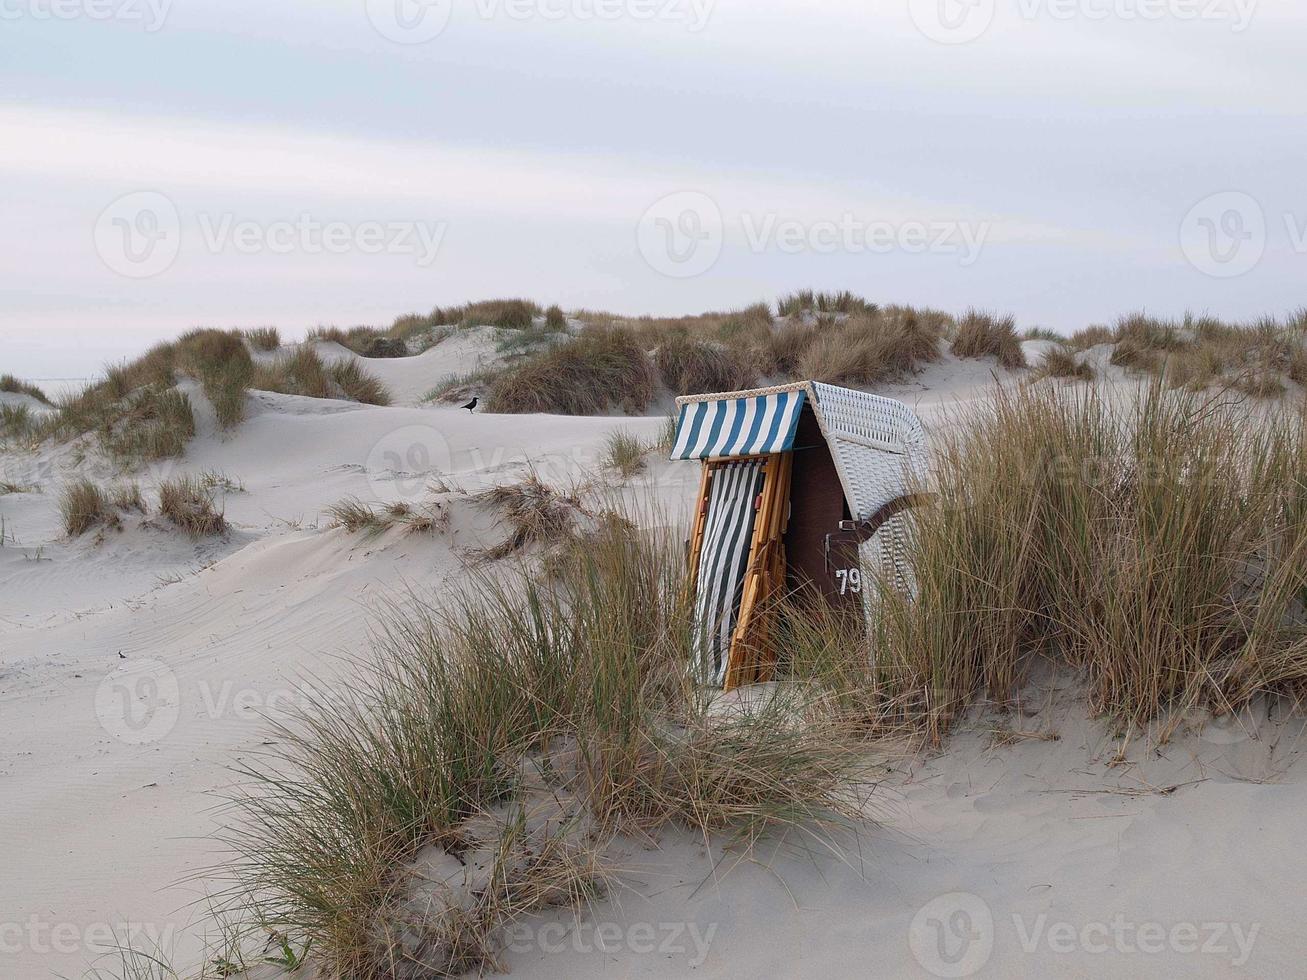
(101, 820)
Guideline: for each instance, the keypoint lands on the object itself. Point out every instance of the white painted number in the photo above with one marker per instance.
(850, 580)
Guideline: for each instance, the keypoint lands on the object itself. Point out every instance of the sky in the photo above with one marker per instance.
(166, 164)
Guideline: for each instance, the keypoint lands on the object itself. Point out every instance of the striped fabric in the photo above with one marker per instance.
(738, 426)
(728, 533)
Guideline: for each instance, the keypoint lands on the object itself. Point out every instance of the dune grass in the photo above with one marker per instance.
(1061, 362)
(263, 338)
(188, 503)
(358, 385)
(986, 335)
(1200, 352)
(17, 422)
(84, 505)
(15, 386)
(868, 348)
(302, 373)
(574, 686)
(624, 452)
(806, 300)
(603, 370)
(1090, 336)
(150, 423)
(1122, 543)
(693, 367)
(355, 516)
(462, 387)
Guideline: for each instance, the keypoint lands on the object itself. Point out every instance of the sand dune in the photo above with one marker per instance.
(1049, 854)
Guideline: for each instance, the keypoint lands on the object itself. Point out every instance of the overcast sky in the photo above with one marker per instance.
(305, 162)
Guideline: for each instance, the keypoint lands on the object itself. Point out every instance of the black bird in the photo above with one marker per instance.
(471, 405)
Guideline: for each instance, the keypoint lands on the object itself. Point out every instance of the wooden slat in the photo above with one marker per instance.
(696, 533)
(751, 653)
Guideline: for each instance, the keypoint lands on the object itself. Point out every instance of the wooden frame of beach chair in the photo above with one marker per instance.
(869, 454)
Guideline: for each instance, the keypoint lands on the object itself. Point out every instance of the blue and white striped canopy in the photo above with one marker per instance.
(738, 426)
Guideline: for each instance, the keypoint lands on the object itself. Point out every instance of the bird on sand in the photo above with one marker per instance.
(471, 405)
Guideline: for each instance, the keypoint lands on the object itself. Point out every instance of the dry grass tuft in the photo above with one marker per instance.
(602, 370)
(84, 505)
(263, 338)
(625, 453)
(221, 363)
(869, 348)
(358, 385)
(1061, 362)
(354, 516)
(302, 373)
(555, 319)
(462, 387)
(536, 514)
(189, 505)
(986, 335)
(694, 367)
(806, 300)
(17, 422)
(150, 423)
(1091, 336)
